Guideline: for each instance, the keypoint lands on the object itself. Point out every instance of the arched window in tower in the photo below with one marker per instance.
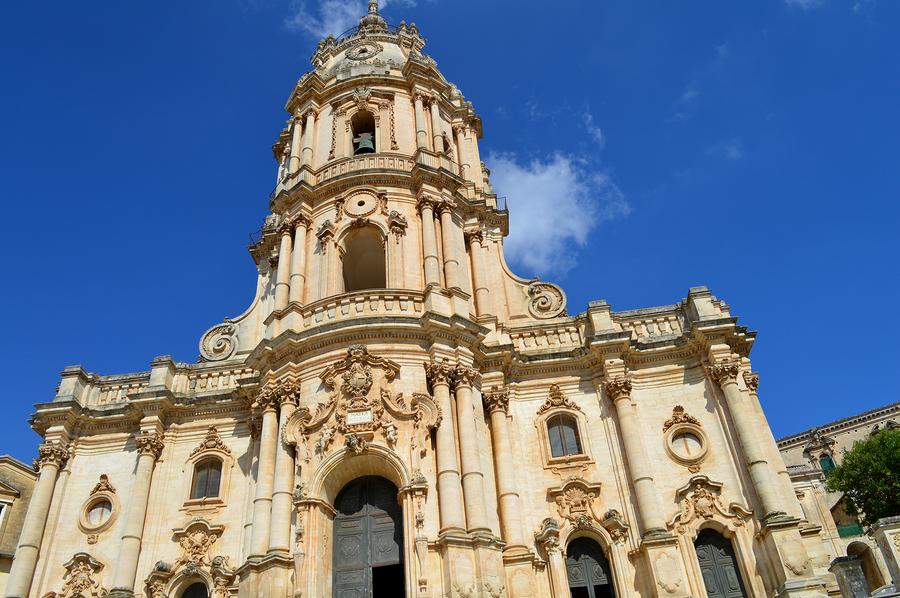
(363, 127)
(563, 432)
(364, 262)
(207, 477)
(826, 463)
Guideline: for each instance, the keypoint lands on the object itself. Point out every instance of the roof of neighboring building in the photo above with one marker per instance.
(841, 424)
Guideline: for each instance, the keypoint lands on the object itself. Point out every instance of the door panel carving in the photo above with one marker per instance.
(368, 533)
(588, 570)
(718, 566)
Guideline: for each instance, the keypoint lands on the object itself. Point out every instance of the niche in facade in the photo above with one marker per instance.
(364, 262)
(363, 126)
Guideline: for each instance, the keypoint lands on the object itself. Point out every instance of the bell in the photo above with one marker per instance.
(364, 144)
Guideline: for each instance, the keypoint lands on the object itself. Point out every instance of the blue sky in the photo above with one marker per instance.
(646, 147)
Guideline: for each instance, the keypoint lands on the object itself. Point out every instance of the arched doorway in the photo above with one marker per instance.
(588, 570)
(718, 565)
(368, 541)
(364, 260)
(870, 569)
(196, 590)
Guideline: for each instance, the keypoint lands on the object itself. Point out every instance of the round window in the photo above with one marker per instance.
(687, 445)
(99, 513)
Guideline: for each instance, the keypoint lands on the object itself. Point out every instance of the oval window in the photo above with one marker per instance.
(687, 445)
(99, 512)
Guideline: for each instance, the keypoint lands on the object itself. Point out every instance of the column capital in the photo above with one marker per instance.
(52, 453)
(427, 201)
(439, 372)
(459, 129)
(465, 376)
(419, 97)
(496, 399)
(751, 379)
(725, 372)
(618, 387)
(287, 391)
(475, 235)
(446, 205)
(149, 443)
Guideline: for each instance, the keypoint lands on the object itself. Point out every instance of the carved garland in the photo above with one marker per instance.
(556, 399)
(700, 500)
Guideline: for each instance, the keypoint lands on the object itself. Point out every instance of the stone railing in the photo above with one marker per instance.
(539, 339)
(647, 325)
(195, 381)
(363, 304)
(343, 166)
(108, 390)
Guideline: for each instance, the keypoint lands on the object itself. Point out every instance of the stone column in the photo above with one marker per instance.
(149, 446)
(282, 280)
(786, 488)
(282, 495)
(294, 165)
(725, 372)
(439, 375)
(307, 155)
(483, 301)
(449, 230)
(298, 260)
(472, 476)
(548, 539)
(52, 456)
(476, 156)
(262, 502)
(463, 151)
(421, 133)
(437, 140)
(429, 242)
(254, 425)
(497, 401)
(650, 510)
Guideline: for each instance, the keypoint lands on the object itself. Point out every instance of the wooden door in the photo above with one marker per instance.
(588, 570)
(719, 567)
(368, 533)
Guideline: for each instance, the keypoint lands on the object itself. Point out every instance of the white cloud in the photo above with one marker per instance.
(730, 149)
(804, 4)
(322, 17)
(554, 205)
(593, 130)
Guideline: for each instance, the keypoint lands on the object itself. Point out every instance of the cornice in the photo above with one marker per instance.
(844, 424)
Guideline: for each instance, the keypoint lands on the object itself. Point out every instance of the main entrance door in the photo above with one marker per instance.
(718, 565)
(588, 570)
(368, 541)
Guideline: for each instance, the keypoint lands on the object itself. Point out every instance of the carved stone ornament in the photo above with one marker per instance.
(80, 580)
(751, 379)
(547, 537)
(496, 399)
(556, 399)
(324, 234)
(219, 342)
(700, 500)
(397, 224)
(149, 443)
(617, 388)
(725, 371)
(547, 300)
(615, 524)
(439, 372)
(363, 50)
(360, 408)
(575, 502)
(818, 443)
(679, 416)
(52, 453)
(103, 486)
(212, 442)
(195, 539)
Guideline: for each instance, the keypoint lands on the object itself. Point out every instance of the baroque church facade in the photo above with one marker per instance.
(398, 414)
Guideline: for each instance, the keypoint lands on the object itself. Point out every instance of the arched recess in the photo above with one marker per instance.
(316, 512)
(185, 581)
(368, 539)
(196, 590)
(363, 133)
(869, 565)
(364, 260)
(720, 568)
(588, 571)
(613, 552)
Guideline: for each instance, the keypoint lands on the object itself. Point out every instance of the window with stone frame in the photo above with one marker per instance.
(562, 431)
(207, 478)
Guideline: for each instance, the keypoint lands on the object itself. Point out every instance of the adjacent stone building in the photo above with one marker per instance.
(398, 414)
(810, 456)
(16, 483)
